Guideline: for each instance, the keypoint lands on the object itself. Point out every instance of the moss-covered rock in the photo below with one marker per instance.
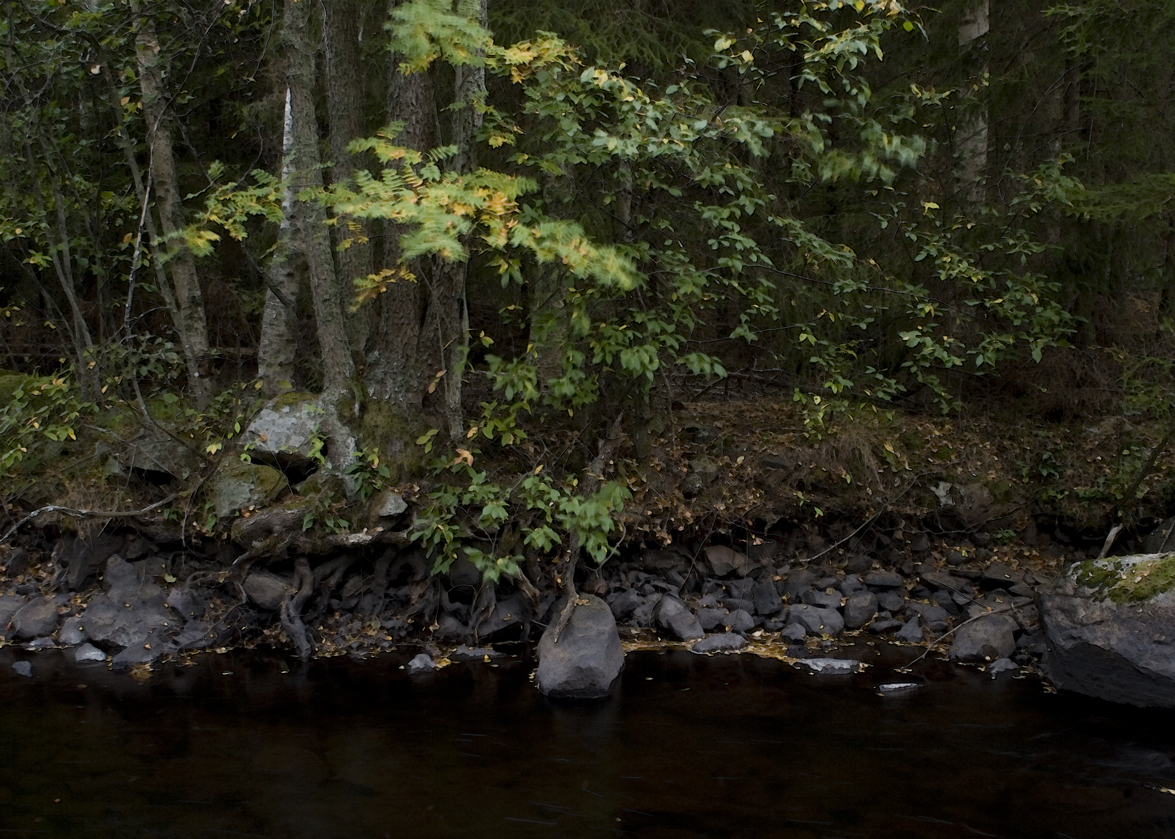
(1110, 629)
(238, 485)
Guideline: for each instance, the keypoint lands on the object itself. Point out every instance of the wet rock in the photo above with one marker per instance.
(710, 618)
(726, 642)
(794, 632)
(726, 561)
(1002, 665)
(624, 603)
(1110, 627)
(449, 628)
(509, 611)
(72, 633)
(911, 633)
(421, 663)
(267, 589)
(196, 635)
(136, 654)
(35, 619)
(88, 652)
(740, 620)
(23, 668)
(586, 659)
(464, 653)
(675, 618)
(883, 579)
(818, 620)
(988, 638)
(884, 625)
(860, 609)
(830, 666)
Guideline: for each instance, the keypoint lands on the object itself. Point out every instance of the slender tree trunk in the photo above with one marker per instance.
(278, 347)
(971, 147)
(309, 226)
(191, 321)
(449, 280)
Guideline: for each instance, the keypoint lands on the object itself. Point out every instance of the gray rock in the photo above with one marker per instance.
(464, 653)
(851, 585)
(988, 638)
(586, 659)
(238, 485)
(509, 611)
(35, 619)
(858, 564)
(643, 614)
(883, 579)
(421, 663)
(999, 574)
(725, 561)
(711, 618)
(890, 601)
(88, 652)
(884, 625)
(677, 620)
(267, 589)
(122, 624)
(794, 632)
(860, 609)
(624, 603)
(9, 604)
(911, 633)
(830, 666)
(1002, 665)
(726, 642)
(286, 428)
(797, 581)
(818, 620)
(740, 620)
(23, 668)
(827, 599)
(388, 504)
(136, 654)
(72, 633)
(1110, 628)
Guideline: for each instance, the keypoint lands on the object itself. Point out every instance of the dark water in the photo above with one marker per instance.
(690, 747)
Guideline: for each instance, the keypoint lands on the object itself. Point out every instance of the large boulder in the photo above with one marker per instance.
(286, 430)
(586, 658)
(1110, 629)
(674, 618)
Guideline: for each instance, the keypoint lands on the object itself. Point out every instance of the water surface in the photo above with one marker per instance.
(689, 747)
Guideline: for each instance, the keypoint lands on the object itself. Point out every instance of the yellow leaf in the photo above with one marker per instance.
(463, 456)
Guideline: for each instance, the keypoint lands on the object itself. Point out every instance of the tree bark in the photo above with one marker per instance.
(971, 147)
(191, 322)
(277, 349)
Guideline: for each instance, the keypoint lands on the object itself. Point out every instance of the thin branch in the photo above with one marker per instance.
(86, 514)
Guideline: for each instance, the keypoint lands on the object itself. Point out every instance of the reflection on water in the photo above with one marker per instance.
(690, 747)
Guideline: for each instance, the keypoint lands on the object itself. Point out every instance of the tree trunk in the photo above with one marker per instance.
(345, 99)
(278, 347)
(191, 322)
(309, 225)
(971, 147)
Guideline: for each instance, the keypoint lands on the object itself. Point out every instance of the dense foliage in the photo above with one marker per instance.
(860, 204)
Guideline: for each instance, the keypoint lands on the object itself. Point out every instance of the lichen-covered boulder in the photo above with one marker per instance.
(237, 485)
(287, 429)
(1110, 629)
(586, 658)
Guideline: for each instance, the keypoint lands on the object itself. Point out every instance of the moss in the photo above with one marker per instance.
(292, 397)
(1124, 580)
(394, 436)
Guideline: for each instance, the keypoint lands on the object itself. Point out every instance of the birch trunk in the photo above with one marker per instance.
(971, 145)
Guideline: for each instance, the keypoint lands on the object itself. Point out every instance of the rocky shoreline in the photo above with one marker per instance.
(121, 600)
